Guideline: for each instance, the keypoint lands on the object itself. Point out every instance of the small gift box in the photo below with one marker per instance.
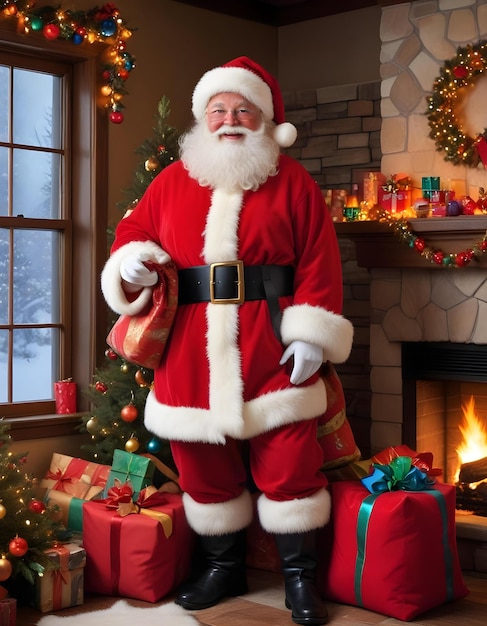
(8, 612)
(395, 194)
(142, 551)
(65, 396)
(69, 482)
(127, 466)
(393, 549)
(62, 585)
(429, 184)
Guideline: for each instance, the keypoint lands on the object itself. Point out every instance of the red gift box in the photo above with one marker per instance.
(8, 612)
(395, 202)
(136, 556)
(393, 553)
(65, 396)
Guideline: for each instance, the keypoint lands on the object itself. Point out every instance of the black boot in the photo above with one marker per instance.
(299, 561)
(224, 572)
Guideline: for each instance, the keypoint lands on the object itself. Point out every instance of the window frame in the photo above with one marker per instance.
(87, 175)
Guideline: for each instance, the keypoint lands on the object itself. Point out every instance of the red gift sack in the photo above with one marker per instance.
(136, 556)
(141, 338)
(395, 552)
(334, 433)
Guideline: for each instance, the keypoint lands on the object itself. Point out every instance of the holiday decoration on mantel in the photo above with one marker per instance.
(103, 24)
(446, 129)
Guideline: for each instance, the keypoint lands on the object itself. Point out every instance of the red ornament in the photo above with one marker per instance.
(483, 245)
(438, 257)
(123, 74)
(460, 71)
(111, 354)
(161, 149)
(51, 31)
(419, 244)
(81, 30)
(462, 259)
(129, 413)
(101, 387)
(18, 546)
(106, 75)
(37, 506)
(116, 117)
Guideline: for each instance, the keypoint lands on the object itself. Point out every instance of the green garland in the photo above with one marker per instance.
(78, 27)
(450, 260)
(462, 71)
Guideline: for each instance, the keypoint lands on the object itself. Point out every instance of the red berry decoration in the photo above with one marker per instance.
(438, 257)
(37, 506)
(18, 546)
(129, 413)
(419, 244)
(116, 117)
(51, 31)
(460, 71)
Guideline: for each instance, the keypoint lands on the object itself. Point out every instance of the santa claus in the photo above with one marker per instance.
(260, 297)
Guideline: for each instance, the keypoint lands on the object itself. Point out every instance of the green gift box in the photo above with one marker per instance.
(130, 467)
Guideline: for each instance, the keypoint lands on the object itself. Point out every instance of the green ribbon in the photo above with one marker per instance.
(75, 514)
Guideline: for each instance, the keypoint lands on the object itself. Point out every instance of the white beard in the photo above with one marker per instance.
(221, 164)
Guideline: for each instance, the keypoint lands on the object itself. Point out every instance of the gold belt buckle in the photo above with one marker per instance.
(240, 283)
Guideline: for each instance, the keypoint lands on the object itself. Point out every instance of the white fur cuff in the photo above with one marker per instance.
(295, 516)
(218, 518)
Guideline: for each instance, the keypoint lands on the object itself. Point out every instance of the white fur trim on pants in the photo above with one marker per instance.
(295, 516)
(218, 518)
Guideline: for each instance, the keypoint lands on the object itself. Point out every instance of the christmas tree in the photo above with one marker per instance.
(27, 525)
(120, 389)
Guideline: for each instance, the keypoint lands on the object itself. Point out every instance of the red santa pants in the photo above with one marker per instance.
(284, 464)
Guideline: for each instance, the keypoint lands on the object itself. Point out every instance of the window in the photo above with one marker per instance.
(53, 162)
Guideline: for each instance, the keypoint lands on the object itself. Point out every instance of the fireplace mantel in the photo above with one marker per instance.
(377, 245)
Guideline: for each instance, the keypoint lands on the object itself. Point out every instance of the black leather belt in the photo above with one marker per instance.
(234, 283)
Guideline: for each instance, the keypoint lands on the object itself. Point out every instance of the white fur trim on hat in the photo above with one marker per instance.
(232, 80)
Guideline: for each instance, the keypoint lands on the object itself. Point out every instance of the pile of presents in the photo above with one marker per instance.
(390, 546)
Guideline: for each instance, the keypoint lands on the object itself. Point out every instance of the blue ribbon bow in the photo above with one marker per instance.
(399, 474)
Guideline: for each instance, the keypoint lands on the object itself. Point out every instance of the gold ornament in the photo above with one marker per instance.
(5, 569)
(132, 444)
(3, 511)
(152, 164)
(92, 426)
(125, 368)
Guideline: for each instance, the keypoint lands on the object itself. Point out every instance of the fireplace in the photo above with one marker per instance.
(445, 412)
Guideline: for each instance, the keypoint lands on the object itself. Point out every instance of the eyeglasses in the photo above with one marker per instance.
(241, 114)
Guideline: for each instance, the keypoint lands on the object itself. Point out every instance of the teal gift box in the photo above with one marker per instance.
(130, 467)
(429, 184)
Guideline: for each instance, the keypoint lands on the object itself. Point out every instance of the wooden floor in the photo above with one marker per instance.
(264, 606)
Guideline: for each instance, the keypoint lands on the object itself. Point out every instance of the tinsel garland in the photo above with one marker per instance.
(452, 260)
(446, 129)
(103, 24)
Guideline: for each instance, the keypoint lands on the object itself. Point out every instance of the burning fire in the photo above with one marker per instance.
(474, 444)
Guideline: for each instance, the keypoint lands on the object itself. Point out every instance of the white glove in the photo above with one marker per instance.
(307, 360)
(133, 270)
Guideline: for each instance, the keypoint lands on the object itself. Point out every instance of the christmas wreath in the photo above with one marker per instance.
(458, 73)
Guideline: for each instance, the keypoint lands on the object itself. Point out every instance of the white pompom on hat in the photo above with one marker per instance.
(253, 82)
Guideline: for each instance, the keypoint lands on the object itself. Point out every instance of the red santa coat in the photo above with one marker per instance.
(220, 374)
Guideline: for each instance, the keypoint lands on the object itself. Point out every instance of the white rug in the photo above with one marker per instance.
(123, 614)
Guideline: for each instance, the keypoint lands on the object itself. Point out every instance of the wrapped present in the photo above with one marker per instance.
(129, 467)
(65, 396)
(395, 194)
(261, 547)
(144, 554)
(69, 482)
(63, 585)
(76, 477)
(393, 549)
(8, 612)
(422, 460)
(334, 432)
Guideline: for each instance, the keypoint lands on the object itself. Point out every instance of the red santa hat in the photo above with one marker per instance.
(253, 82)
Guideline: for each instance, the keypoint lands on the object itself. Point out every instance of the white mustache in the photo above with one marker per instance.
(233, 130)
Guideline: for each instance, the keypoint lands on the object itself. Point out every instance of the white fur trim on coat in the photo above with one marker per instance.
(261, 414)
(111, 281)
(218, 518)
(314, 324)
(295, 516)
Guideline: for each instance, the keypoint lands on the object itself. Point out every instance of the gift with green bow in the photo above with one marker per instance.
(393, 546)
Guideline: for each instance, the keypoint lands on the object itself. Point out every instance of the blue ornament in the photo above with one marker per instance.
(154, 445)
(77, 39)
(108, 27)
(128, 65)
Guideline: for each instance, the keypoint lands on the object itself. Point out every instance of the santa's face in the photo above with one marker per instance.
(231, 110)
